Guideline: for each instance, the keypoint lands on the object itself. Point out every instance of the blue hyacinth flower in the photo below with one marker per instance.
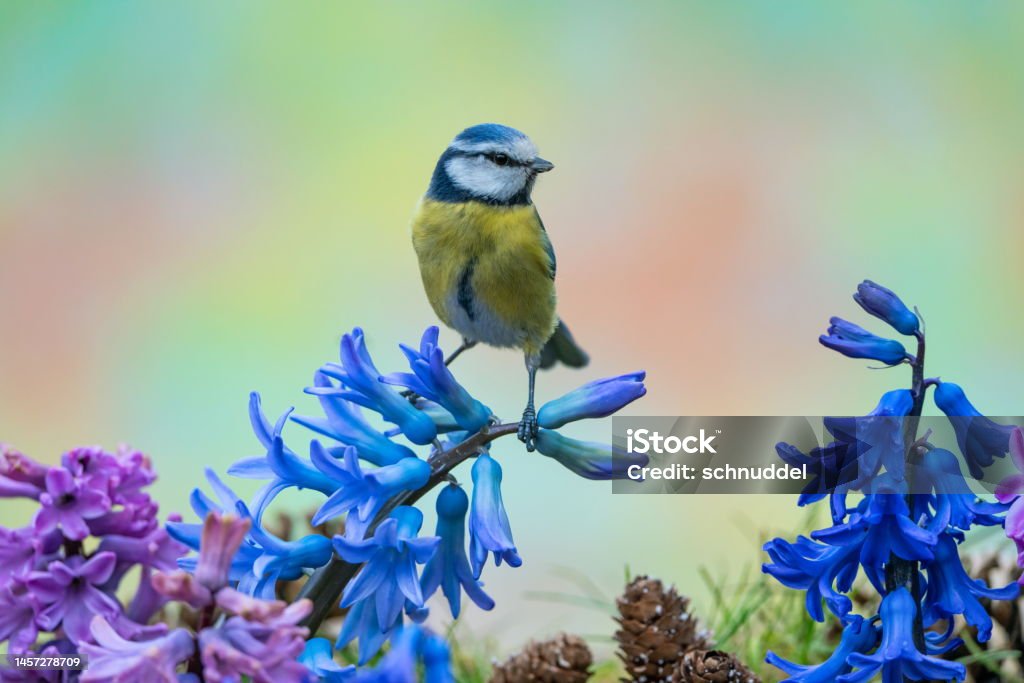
(263, 559)
(877, 436)
(588, 459)
(489, 529)
(361, 494)
(361, 384)
(980, 439)
(880, 526)
(388, 579)
(825, 572)
(318, 658)
(859, 635)
(449, 568)
(834, 469)
(344, 422)
(596, 399)
(897, 657)
(941, 470)
(412, 649)
(884, 304)
(951, 591)
(431, 379)
(856, 342)
(362, 623)
(280, 464)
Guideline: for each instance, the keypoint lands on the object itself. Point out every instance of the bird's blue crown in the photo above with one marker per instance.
(489, 132)
(477, 181)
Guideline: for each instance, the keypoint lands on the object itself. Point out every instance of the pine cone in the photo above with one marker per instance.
(713, 666)
(563, 659)
(656, 630)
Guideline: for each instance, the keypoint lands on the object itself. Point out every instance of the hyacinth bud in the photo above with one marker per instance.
(588, 459)
(20, 476)
(856, 342)
(596, 399)
(181, 586)
(489, 528)
(885, 305)
(222, 535)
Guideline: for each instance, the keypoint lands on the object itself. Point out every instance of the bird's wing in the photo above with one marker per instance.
(553, 264)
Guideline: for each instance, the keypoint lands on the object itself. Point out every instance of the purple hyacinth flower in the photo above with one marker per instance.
(589, 459)
(1009, 489)
(54, 648)
(344, 422)
(361, 384)
(264, 651)
(489, 529)
(222, 535)
(388, 578)
(431, 379)
(68, 504)
(825, 572)
(897, 657)
(980, 439)
(856, 342)
(858, 636)
(600, 398)
(20, 476)
(93, 465)
(18, 609)
(361, 494)
(951, 591)
(22, 550)
(155, 550)
(449, 568)
(318, 657)
(885, 305)
(1009, 492)
(72, 593)
(113, 659)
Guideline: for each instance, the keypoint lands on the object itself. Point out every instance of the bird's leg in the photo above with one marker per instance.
(467, 344)
(528, 425)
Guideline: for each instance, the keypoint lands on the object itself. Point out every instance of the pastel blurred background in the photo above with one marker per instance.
(197, 199)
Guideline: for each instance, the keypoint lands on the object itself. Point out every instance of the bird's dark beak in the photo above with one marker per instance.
(541, 165)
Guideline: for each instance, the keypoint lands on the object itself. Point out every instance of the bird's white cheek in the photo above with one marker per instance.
(482, 178)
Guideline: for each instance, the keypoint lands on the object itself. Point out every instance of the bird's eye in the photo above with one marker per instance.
(500, 159)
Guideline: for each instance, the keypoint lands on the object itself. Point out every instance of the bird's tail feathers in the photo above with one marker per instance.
(562, 347)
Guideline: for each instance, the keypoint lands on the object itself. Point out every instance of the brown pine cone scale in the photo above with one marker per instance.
(713, 666)
(655, 630)
(562, 659)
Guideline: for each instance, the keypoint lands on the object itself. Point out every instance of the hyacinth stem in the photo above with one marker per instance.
(899, 572)
(326, 584)
(205, 619)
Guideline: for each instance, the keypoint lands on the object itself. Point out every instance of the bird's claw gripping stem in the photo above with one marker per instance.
(528, 428)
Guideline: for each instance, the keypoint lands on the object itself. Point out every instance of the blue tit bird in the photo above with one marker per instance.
(485, 258)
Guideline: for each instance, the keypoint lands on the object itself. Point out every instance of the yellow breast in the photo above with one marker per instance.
(487, 271)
